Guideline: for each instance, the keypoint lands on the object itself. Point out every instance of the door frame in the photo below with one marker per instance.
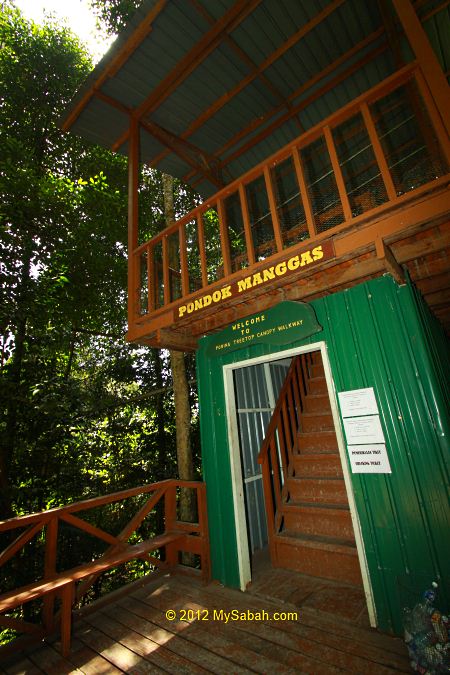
(236, 468)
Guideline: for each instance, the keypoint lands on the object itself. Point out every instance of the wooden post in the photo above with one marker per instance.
(273, 209)
(183, 261)
(304, 192)
(379, 154)
(51, 544)
(201, 246)
(133, 205)
(247, 225)
(337, 173)
(426, 58)
(67, 593)
(224, 238)
(170, 517)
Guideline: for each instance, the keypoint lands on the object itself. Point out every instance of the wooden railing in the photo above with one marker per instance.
(281, 442)
(361, 161)
(61, 584)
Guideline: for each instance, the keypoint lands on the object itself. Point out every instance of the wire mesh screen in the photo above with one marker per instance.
(193, 256)
(321, 185)
(408, 138)
(173, 242)
(291, 213)
(363, 182)
(143, 284)
(214, 259)
(260, 218)
(158, 275)
(235, 229)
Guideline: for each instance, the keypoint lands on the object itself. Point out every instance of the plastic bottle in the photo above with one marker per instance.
(421, 614)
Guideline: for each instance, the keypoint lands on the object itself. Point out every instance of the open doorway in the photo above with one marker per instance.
(317, 529)
(256, 390)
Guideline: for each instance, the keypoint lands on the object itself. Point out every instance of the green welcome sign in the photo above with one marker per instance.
(279, 325)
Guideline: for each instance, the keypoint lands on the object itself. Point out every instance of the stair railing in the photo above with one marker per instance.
(281, 443)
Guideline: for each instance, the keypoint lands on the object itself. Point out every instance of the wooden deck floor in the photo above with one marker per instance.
(134, 635)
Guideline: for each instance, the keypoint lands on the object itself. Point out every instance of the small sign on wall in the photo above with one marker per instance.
(369, 458)
(365, 439)
(358, 402)
(365, 429)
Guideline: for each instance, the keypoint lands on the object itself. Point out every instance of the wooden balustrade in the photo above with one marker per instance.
(347, 189)
(280, 444)
(176, 538)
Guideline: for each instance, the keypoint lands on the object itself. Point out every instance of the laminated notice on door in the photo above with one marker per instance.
(369, 458)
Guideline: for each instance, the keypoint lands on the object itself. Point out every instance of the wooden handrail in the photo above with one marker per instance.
(280, 444)
(177, 537)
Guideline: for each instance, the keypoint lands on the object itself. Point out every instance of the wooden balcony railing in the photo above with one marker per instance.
(49, 532)
(361, 161)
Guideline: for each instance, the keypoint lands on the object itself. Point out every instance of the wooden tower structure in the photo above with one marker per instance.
(317, 133)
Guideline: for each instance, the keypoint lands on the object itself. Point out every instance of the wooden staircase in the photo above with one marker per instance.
(310, 530)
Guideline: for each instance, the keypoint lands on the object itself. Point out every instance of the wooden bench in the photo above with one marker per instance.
(63, 584)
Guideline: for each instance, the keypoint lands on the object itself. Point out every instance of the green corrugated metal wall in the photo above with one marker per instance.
(377, 335)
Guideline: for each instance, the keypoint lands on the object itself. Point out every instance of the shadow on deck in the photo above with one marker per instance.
(330, 633)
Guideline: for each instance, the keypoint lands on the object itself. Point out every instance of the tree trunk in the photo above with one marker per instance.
(187, 510)
(8, 438)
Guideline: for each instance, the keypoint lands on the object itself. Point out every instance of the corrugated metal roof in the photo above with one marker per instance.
(240, 84)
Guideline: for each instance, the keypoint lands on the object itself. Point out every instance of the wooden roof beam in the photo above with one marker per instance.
(385, 253)
(200, 161)
(117, 62)
(246, 59)
(281, 120)
(235, 15)
(426, 57)
(225, 98)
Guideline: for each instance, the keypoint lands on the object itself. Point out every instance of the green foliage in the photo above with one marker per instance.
(113, 15)
(76, 412)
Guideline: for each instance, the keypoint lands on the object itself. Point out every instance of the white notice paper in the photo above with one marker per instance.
(365, 429)
(369, 459)
(358, 402)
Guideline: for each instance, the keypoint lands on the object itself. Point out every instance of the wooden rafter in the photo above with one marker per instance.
(426, 57)
(117, 62)
(196, 55)
(282, 119)
(259, 71)
(191, 154)
(273, 89)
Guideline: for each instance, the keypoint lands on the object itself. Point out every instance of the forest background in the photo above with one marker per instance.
(82, 412)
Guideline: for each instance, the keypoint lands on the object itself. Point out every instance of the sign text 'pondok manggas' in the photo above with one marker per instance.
(302, 260)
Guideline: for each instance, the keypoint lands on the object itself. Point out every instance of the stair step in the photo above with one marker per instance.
(317, 370)
(317, 441)
(317, 421)
(309, 519)
(317, 403)
(317, 385)
(317, 490)
(331, 558)
(317, 465)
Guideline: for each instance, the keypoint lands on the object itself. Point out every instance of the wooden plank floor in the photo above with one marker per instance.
(329, 633)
